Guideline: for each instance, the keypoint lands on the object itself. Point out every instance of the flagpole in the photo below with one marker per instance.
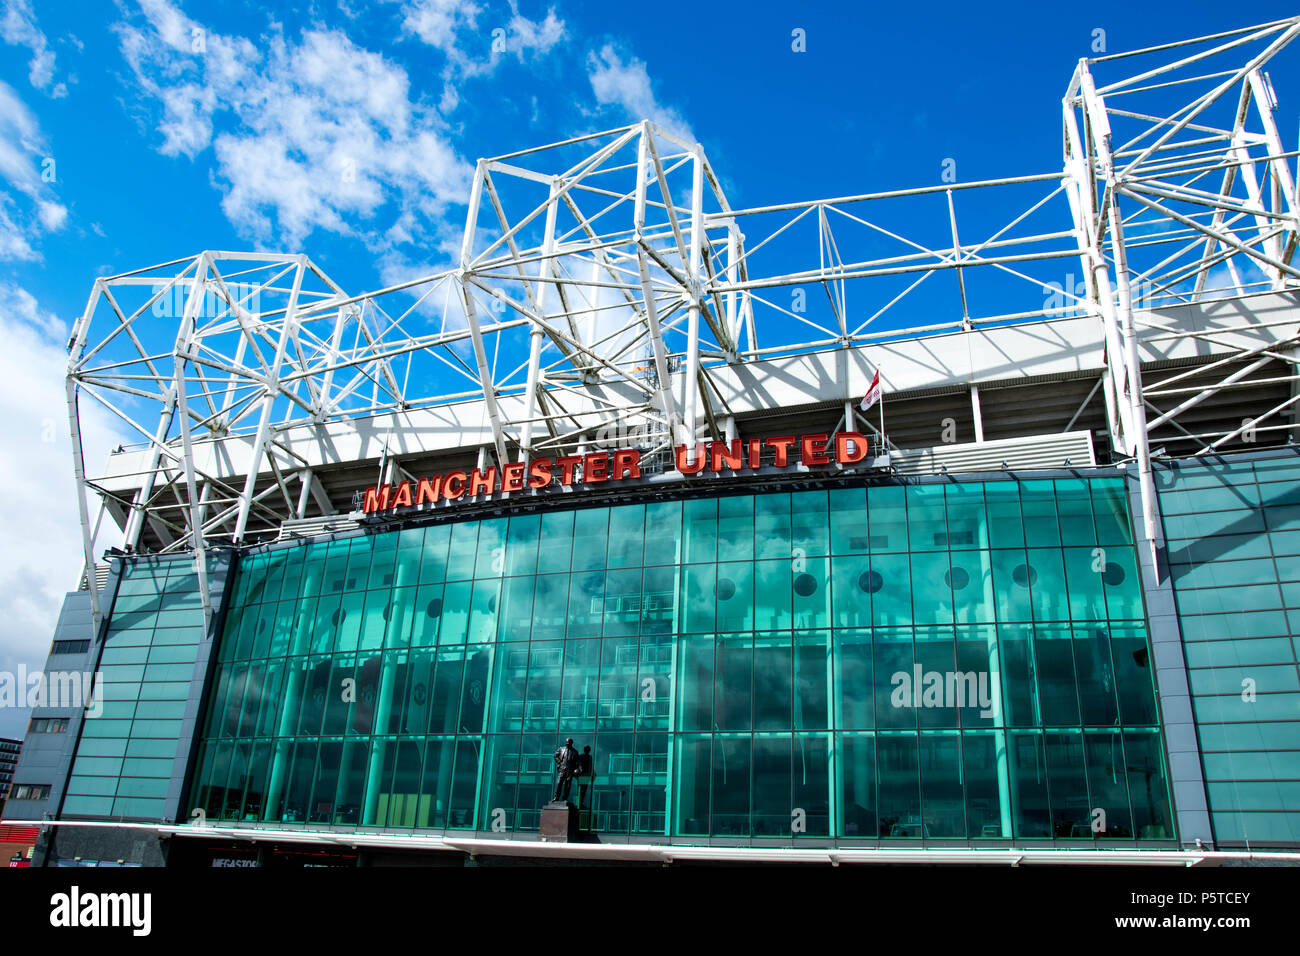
(875, 394)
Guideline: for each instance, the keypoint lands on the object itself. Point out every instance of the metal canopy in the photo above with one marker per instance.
(606, 293)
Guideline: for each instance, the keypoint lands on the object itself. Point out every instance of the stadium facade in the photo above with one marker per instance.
(1039, 602)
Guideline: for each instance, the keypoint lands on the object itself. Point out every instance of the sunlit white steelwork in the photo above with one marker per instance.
(606, 292)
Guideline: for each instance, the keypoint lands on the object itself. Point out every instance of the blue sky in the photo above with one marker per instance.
(141, 131)
(878, 101)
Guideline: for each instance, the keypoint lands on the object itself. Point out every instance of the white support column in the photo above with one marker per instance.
(1261, 90)
(204, 499)
(733, 318)
(692, 382)
(667, 401)
(83, 511)
(1257, 199)
(1080, 191)
(1136, 407)
(183, 343)
(303, 494)
(536, 334)
(484, 373)
(471, 315)
(322, 497)
(272, 391)
(1137, 404)
(976, 413)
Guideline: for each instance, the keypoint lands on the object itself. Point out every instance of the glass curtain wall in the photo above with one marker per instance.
(1233, 530)
(955, 661)
(127, 753)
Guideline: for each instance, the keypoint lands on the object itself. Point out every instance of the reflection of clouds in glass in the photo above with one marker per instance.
(700, 599)
(247, 688)
(772, 543)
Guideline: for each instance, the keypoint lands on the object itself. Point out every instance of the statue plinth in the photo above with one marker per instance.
(559, 823)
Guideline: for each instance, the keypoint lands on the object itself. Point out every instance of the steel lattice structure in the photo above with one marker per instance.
(603, 282)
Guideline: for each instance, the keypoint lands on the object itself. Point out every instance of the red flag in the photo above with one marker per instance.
(873, 392)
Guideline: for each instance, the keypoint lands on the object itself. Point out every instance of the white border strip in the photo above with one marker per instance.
(669, 853)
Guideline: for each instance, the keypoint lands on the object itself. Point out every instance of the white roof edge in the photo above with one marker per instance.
(1064, 346)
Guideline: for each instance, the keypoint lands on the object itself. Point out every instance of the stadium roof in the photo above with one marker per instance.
(1142, 294)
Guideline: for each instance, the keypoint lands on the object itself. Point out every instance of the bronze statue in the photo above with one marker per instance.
(566, 766)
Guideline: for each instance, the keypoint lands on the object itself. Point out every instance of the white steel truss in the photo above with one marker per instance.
(603, 282)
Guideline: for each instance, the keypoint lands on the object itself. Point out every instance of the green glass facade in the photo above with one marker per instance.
(943, 660)
(127, 755)
(1233, 530)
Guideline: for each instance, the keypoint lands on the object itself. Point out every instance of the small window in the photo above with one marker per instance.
(953, 539)
(70, 647)
(31, 791)
(49, 725)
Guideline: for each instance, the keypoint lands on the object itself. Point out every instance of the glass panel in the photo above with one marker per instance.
(772, 526)
(887, 518)
(555, 549)
(895, 678)
(521, 544)
(1028, 767)
(700, 530)
(732, 788)
(693, 762)
(809, 525)
(899, 795)
(856, 770)
(774, 813)
(773, 689)
(848, 514)
(733, 688)
(590, 536)
(984, 764)
(736, 529)
(626, 531)
(942, 800)
(1071, 815)
(854, 706)
(1108, 785)
(927, 518)
(663, 522)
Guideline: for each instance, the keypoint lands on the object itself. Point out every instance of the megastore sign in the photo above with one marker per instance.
(536, 474)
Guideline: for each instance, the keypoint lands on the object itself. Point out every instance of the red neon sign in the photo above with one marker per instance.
(739, 455)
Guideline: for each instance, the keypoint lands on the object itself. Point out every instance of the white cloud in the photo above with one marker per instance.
(627, 86)
(18, 28)
(40, 541)
(14, 244)
(475, 44)
(28, 207)
(316, 133)
(436, 22)
(529, 36)
(21, 306)
(20, 142)
(52, 215)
